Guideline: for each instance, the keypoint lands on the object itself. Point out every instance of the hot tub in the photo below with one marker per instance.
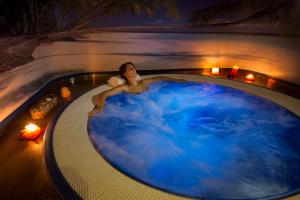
(217, 139)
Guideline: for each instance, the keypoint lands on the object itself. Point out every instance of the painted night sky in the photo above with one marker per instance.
(185, 8)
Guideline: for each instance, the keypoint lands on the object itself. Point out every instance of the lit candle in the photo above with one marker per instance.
(31, 131)
(250, 77)
(94, 80)
(271, 82)
(215, 71)
(234, 71)
(65, 92)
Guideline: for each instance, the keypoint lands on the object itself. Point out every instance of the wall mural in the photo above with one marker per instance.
(43, 39)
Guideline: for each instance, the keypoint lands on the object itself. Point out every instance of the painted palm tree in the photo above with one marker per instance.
(97, 9)
(23, 17)
(42, 16)
(46, 16)
(64, 8)
(237, 12)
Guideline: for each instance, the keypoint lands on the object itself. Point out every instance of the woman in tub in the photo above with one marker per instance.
(128, 72)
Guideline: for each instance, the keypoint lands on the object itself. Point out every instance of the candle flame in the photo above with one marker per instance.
(31, 127)
(215, 71)
(31, 131)
(250, 77)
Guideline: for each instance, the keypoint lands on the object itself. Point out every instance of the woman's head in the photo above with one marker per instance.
(127, 70)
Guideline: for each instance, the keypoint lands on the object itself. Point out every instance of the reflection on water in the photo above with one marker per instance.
(201, 140)
(275, 56)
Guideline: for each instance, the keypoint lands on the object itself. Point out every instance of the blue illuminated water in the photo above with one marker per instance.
(201, 140)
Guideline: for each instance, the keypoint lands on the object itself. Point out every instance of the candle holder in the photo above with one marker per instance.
(233, 73)
(250, 77)
(30, 132)
(43, 106)
(65, 92)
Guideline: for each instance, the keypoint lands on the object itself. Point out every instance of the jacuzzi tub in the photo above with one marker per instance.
(92, 177)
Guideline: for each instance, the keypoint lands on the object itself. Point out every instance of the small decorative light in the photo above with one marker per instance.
(206, 71)
(65, 92)
(234, 71)
(271, 82)
(215, 71)
(31, 131)
(94, 79)
(72, 80)
(250, 77)
(43, 106)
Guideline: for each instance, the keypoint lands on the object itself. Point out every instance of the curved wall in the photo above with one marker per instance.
(275, 56)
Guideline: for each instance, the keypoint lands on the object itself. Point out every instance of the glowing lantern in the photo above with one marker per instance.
(233, 72)
(250, 77)
(65, 92)
(94, 80)
(206, 72)
(31, 131)
(36, 114)
(271, 82)
(215, 71)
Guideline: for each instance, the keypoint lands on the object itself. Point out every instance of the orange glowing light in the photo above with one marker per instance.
(215, 71)
(94, 79)
(65, 92)
(31, 131)
(271, 82)
(250, 77)
(206, 72)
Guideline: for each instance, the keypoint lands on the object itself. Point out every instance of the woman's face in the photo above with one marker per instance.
(130, 71)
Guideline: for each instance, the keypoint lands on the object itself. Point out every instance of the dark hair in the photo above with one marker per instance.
(122, 69)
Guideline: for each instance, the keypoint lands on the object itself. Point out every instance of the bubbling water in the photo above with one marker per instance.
(201, 140)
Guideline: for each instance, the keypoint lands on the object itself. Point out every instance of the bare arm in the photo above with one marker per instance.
(161, 78)
(99, 99)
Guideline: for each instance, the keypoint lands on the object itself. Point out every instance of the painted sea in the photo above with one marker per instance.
(277, 56)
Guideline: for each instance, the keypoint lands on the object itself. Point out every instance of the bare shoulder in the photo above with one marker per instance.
(120, 88)
(112, 91)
